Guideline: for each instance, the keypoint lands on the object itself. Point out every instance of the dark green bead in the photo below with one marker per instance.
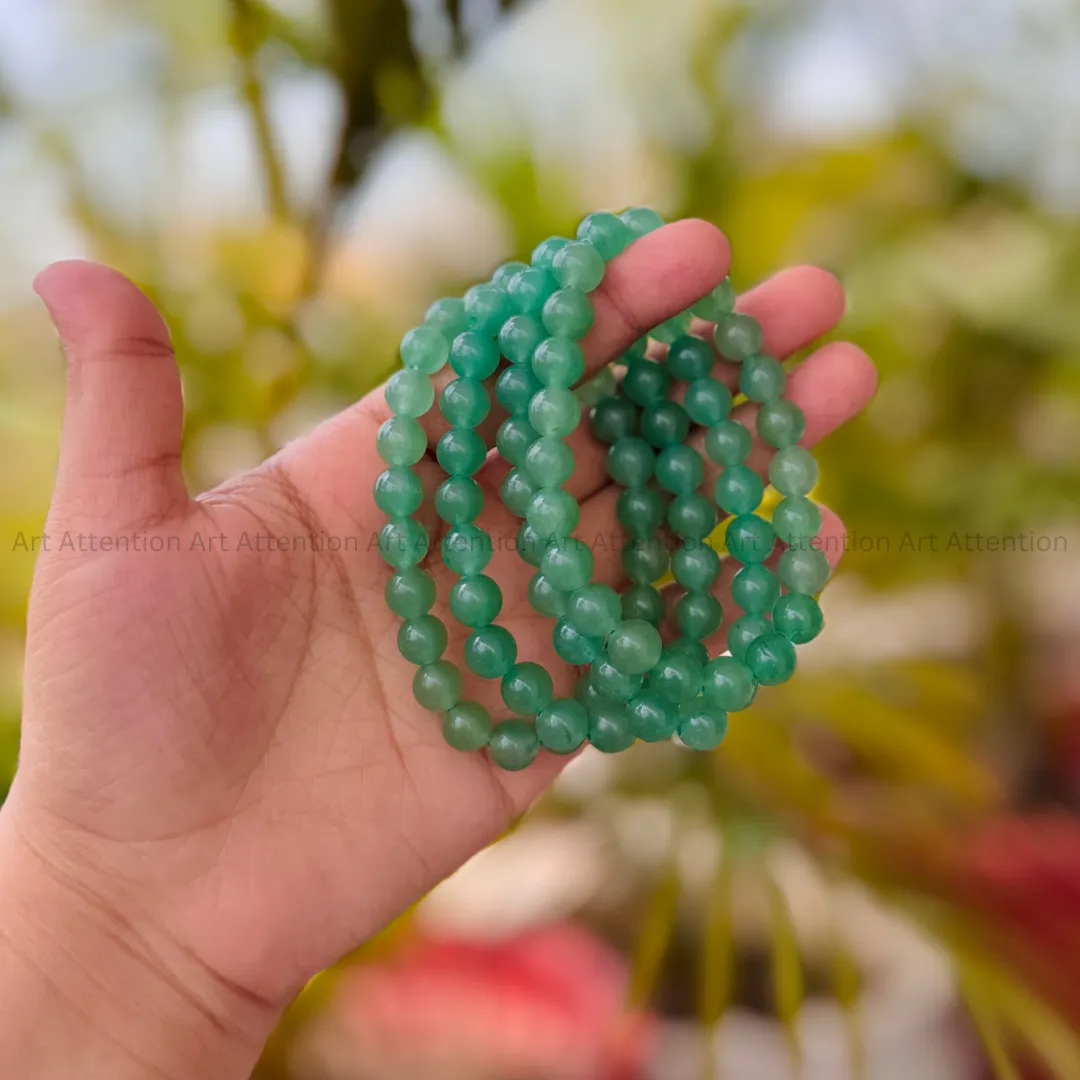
(461, 451)
(529, 289)
(690, 358)
(515, 437)
(424, 349)
(641, 220)
(475, 600)
(474, 355)
(630, 462)
(691, 648)
(692, 516)
(398, 491)
(707, 402)
(466, 549)
(519, 336)
(568, 313)
(701, 726)
(728, 443)
(611, 684)
(558, 361)
(798, 617)
(643, 602)
(606, 232)
(695, 565)
(514, 745)
(526, 689)
(699, 614)
(546, 599)
(448, 317)
(401, 441)
(437, 686)
(679, 469)
(459, 500)
(645, 559)
(762, 378)
(403, 542)
(575, 647)
(410, 593)
(738, 337)
(652, 719)
(554, 410)
(796, 521)
(530, 545)
(614, 419)
(672, 329)
(634, 646)
(646, 382)
(585, 692)
(594, 610)
(563, 726)
(515, 389)
(610, 727)
(410, 392)
(715, 305)
(640, 510)
(422, 640)
(517, 491)
(490, 652)
(464, 403)
(676, 678)
(507, 272)
(467, 726)
(793, 471)
(744, 631)
(553, 513)
(804, 570)
(750, 538)
(755, 589)
(637, 351)
(728, 684)
(771, 659)
(549, 461)
(664, 424)
(780, 423)
(567, 564)
(487, 307)
(578, 265)
(544, 253)
(739, 490)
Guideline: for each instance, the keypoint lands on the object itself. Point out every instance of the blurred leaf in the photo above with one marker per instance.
(987, 1025)
(787, 969)
(652, 941)
(716, 974)
(846, 984)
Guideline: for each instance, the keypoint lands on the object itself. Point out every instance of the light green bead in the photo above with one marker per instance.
(568, 313)
(425, 349)
(461, 451)
(459, 500)
(437, 686)
(739, 490)
(549, 461)
(398, 491)
(515, 388)
(679, 469)
(519, 336)
(640, 510)
(707, 402)
(644, 559)
(750, 538)
(410, 593)
(695, 565)
(530, 545)
(780, 423)
(611, 684)
(796, 521)
(573, 646)
(403, 542)
(630, 462)
(490, 652)
(664, 424)
(585, 692)
(610, 728)
(517, 491)
(614, 419)
(546, 599)
(410, 392)
(690, 647)
(578, 265)
(567, 564)
(715, 305)
(515, 437)
(544, 253)
(652, 719)
(804, 570)
(793, 471)
(563, 726)
(672, 329)
(602, 385)
(553, 513)
(507, 272)
(475, 600)
(466, 549)
(465, 403)
(558, 361)
(594, 610)
(690, 358)
(755, 589)
(646, 382)
(728, 443)
(634, 646)
(771, 659)
(606, 232)
(728, 684)
(526, 689)
(422, 640)
(744, 631)
(692, 516)
(448, 317)
(474, 355)
(702, 726)
(528, 291)
(699, 614)
(798, 617)
(642, 601)
(514, 745)
(641, 220)
(676, 677)
(554, 411)
(488, 307)
(738, 337)
(467, 726)
(762, 378)
(401, 441)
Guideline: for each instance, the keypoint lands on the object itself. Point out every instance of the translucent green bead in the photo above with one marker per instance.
(530, 545)
(515, 388)
(563, 726)
(679, 469)
(553, 513)
(771, 659)
(739, 490)
(424, 349)
(490, 652)
(526, 689)
(762, 378)
(401, 441)
(707, 402)
(630, 462)
(594, 610)
(695, 565)
(672, 329)
(701, 726)
(614, 419)
(690, 358)
(780, 423)
(755, 589)
(610, 728)
(403, 542)
(437, 686)
(750, 538)
(549, 461)
(637, 351)
(664, 424)
(691, 517)
(646, 382)
(474, 355)
(738, 337)
(578, 265)
(641, 220)
(634, 646)
(804, 570)
(585, 692)
(467, 726)
(487, 307)
(601, 386)
(517, 491)
(528, 291)
(676, 678)
(398, 491)
(514, 745)
(606, 232)
(507, 272)
(459, 500)
(546, 599)
(793, 471)
(448, 317)
(652, 719)
(611, 684)
(643, 602)
(461, 451)
(728, 443)
(466, 549)
(410, 392)
(567, 564)
(568, 313)
(796, 521)
(573, 646)
(728, 684)
(692, 648)
(464, 403)
(519, 336)
(798, 617)
(558, 361)
(699, 614)
(645, 559)
(422, 640)
(410, 593)
(744, 631)
(715, 305)
(640, 510)
(515, 437)
(544, 253)
(554, 411)
(475, 600)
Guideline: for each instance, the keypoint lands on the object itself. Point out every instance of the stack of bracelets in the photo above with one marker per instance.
(636, 687)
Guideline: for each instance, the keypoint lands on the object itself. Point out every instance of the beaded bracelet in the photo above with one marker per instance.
(636, 687)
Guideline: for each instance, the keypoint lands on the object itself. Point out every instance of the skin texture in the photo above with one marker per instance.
(225, 784)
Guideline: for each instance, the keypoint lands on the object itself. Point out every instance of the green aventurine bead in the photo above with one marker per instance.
(546, 599)
(464, 403)
(490, 652)
(728, 684)
(690, 358)
(771, 658)
(526, 689)
(744, 631)
(610, 728)
(507, 272)
(578, 265)
(641, 220)
(739, 490)
(750, 538)
(594, 610)
(755, 589)
(640, 510)
(611, 684)
(634, 646)
(553, 513)
(403, 542)
(530, 545)
(630, 462)
(793, 471)
(575, 647)
(422, 640)
(448, 317)
(707, 402)
(606, 232)
(804, 570)
(692, 516)
(528, 290)
(695, 565)
(691, 648)
(652, 718)
(614, 419)
(401, 441)
(679, 469)
(798, 617)
(558, 361)
(519, 336)
(461, 451)
(514, 745)
(672, 329)
(585, 692)
(602, 385)
(665, 424)
(796, 521)
(728, 443)
(699, 614)
(424, 349)
(544, 253)
(467, 726)
(738, 337)
(567, 564)
(398, 491)
(410, 593)
(515, 437)
(515, 389)
(780, 423)
(437, 686)
(715, 305)
(568, 313)
(410, 392)
(466, 549)
(517, 491)
(643, 602)
(645, 559)
(474, 355)
(487, 307)
(554, 411)
(646, 382)
(459, 500)
(475, 600)
(563, 726)
(549, 461)
(677, 677)
(762, 378)
(702, 727)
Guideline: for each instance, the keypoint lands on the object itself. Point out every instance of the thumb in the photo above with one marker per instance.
(123, 418)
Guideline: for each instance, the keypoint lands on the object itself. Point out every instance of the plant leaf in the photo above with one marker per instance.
(716, 975)
(653, 940)
(788, 984)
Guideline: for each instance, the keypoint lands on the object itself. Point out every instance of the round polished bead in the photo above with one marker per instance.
(739, 490)
(544, 253)
(410, 593)
(475, 600)
(514, 745)
(490, 652)
(630, 462)
(466, 549)
(568, 313)
(672, 329)
(554, 411)
(530, 545)
(744, 631)
(652, 718)
(646, 382)
(422, 640)
(578, 265)
(464, 403)
(699, 614)
(728, 684)
(707, 402)
(614, 419)
(755, 589)
(738, 337)
(549, 461)
(526, 689)
(563, 726)
(664, 424)
(573, 646)
(401, 441)
(611, 684)
(780, 423)
(410, 392)
(448, 317)
(507, 272)
(645, 559)
(676, 677)
(771, 659)
(679, 469)
(425, 349)
(437, 686)
(529, 289)
(716, 304)
(606, 232)
(640, 510)
(594, 610)
(798, 617)
(487, 307)
(515, 437)
(585, 692)
(690, 358)
(762, 378)
(793, 471)
(728, 443)
(796, 521)
(602, 385)
(398, 491)
(459, 500)
(750, 538)
(691, 648)
(695, 565)
(702, 726)
(474, 355)
(558, 361)
(546, 599)
(519, 336)
(467, 726)
(515, 388)
(641, 220)
(567, 564)
(610, 728)
(634, 646)
(637, 351)
(804, 570)
(553, 513)
(643, 601)
(403, 542)
(461, 451)
(692, 516)
(517, 491)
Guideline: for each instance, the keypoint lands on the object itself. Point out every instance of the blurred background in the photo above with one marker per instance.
(878, 875)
